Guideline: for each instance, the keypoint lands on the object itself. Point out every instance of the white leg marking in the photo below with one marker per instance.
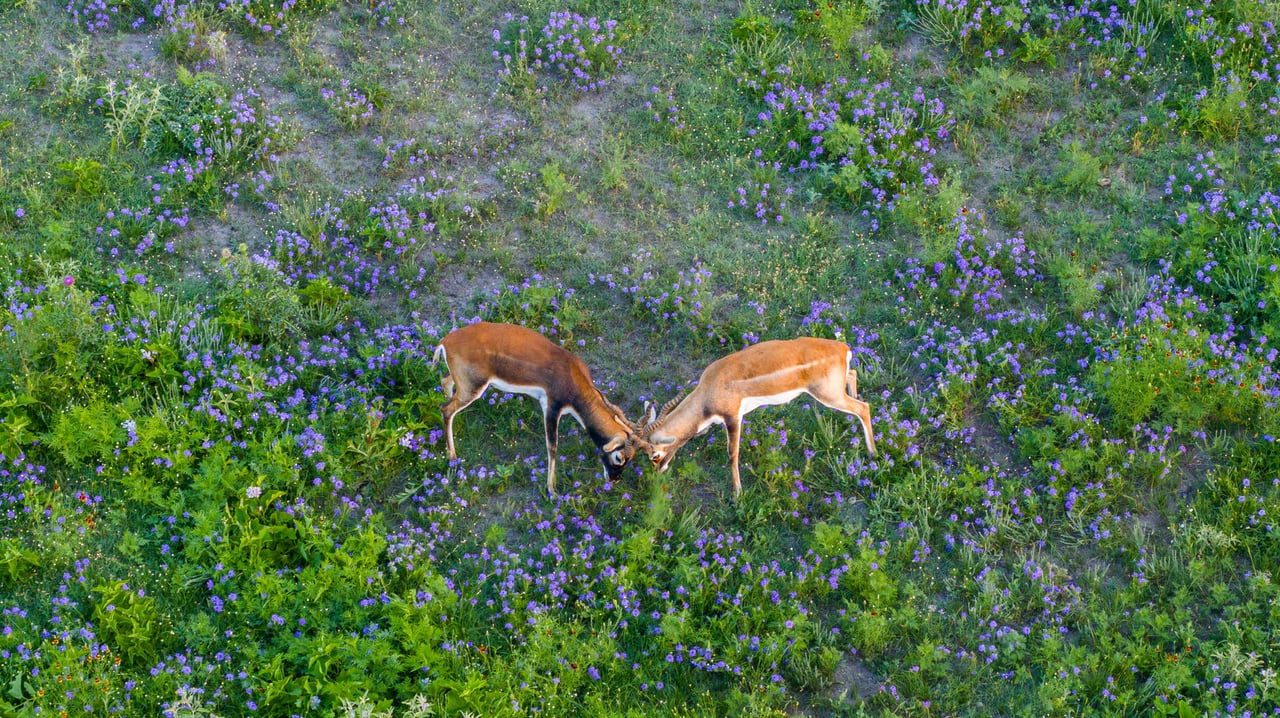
(569, 410)
(708, 423)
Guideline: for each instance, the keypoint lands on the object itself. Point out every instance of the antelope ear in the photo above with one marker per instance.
(664, 442)
(614, 444)
(650, 413)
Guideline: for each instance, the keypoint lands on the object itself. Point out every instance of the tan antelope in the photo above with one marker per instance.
(517, 360)
(766, 374)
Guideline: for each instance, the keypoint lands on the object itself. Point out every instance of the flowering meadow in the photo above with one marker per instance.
(233, 233)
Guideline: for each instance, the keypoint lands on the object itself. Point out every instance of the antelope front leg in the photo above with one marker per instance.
(733, 429)
(552, 424)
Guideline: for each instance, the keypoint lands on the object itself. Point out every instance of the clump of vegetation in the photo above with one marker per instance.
(580, 51)
(873, 145)
(350, 107)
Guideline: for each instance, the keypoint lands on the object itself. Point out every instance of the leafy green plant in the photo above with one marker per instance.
(82, 176)
(51, 355)
(88, 432)
(839, 22)
(201, 113)
(418, 707)
(128, 621)
(756, 48)
(62, 237)
(1081, 286)
(324, 304)
(1045, 49)
(187, 703)
(554, 190)
(1221, 112)
(199, 38)
(255, 301)
(538, 304)
(17, 561)
(992, 93)
(940, 23)
(928, 214)
(72, 80)
(1161, 372)
(1079, 170)
(617, 165)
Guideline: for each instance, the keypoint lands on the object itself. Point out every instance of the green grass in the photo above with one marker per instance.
(219, 431)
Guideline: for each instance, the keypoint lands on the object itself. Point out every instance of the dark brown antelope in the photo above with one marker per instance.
(517, 360)
(766, 374)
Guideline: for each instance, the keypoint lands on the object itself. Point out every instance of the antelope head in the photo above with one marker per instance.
(660, 447)
(622, 448)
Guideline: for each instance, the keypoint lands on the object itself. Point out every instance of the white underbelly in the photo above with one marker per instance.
(751, 403)
(538, 393)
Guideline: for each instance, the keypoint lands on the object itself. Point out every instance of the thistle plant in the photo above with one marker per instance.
(131, 112)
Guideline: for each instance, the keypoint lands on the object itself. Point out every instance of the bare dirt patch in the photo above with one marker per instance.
(989, 442)
(209, 237)
(499, 509)
(853, 679)
(1194, 468)
(460, 287)
(132, 50)
(336, 158)
(916, 51)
